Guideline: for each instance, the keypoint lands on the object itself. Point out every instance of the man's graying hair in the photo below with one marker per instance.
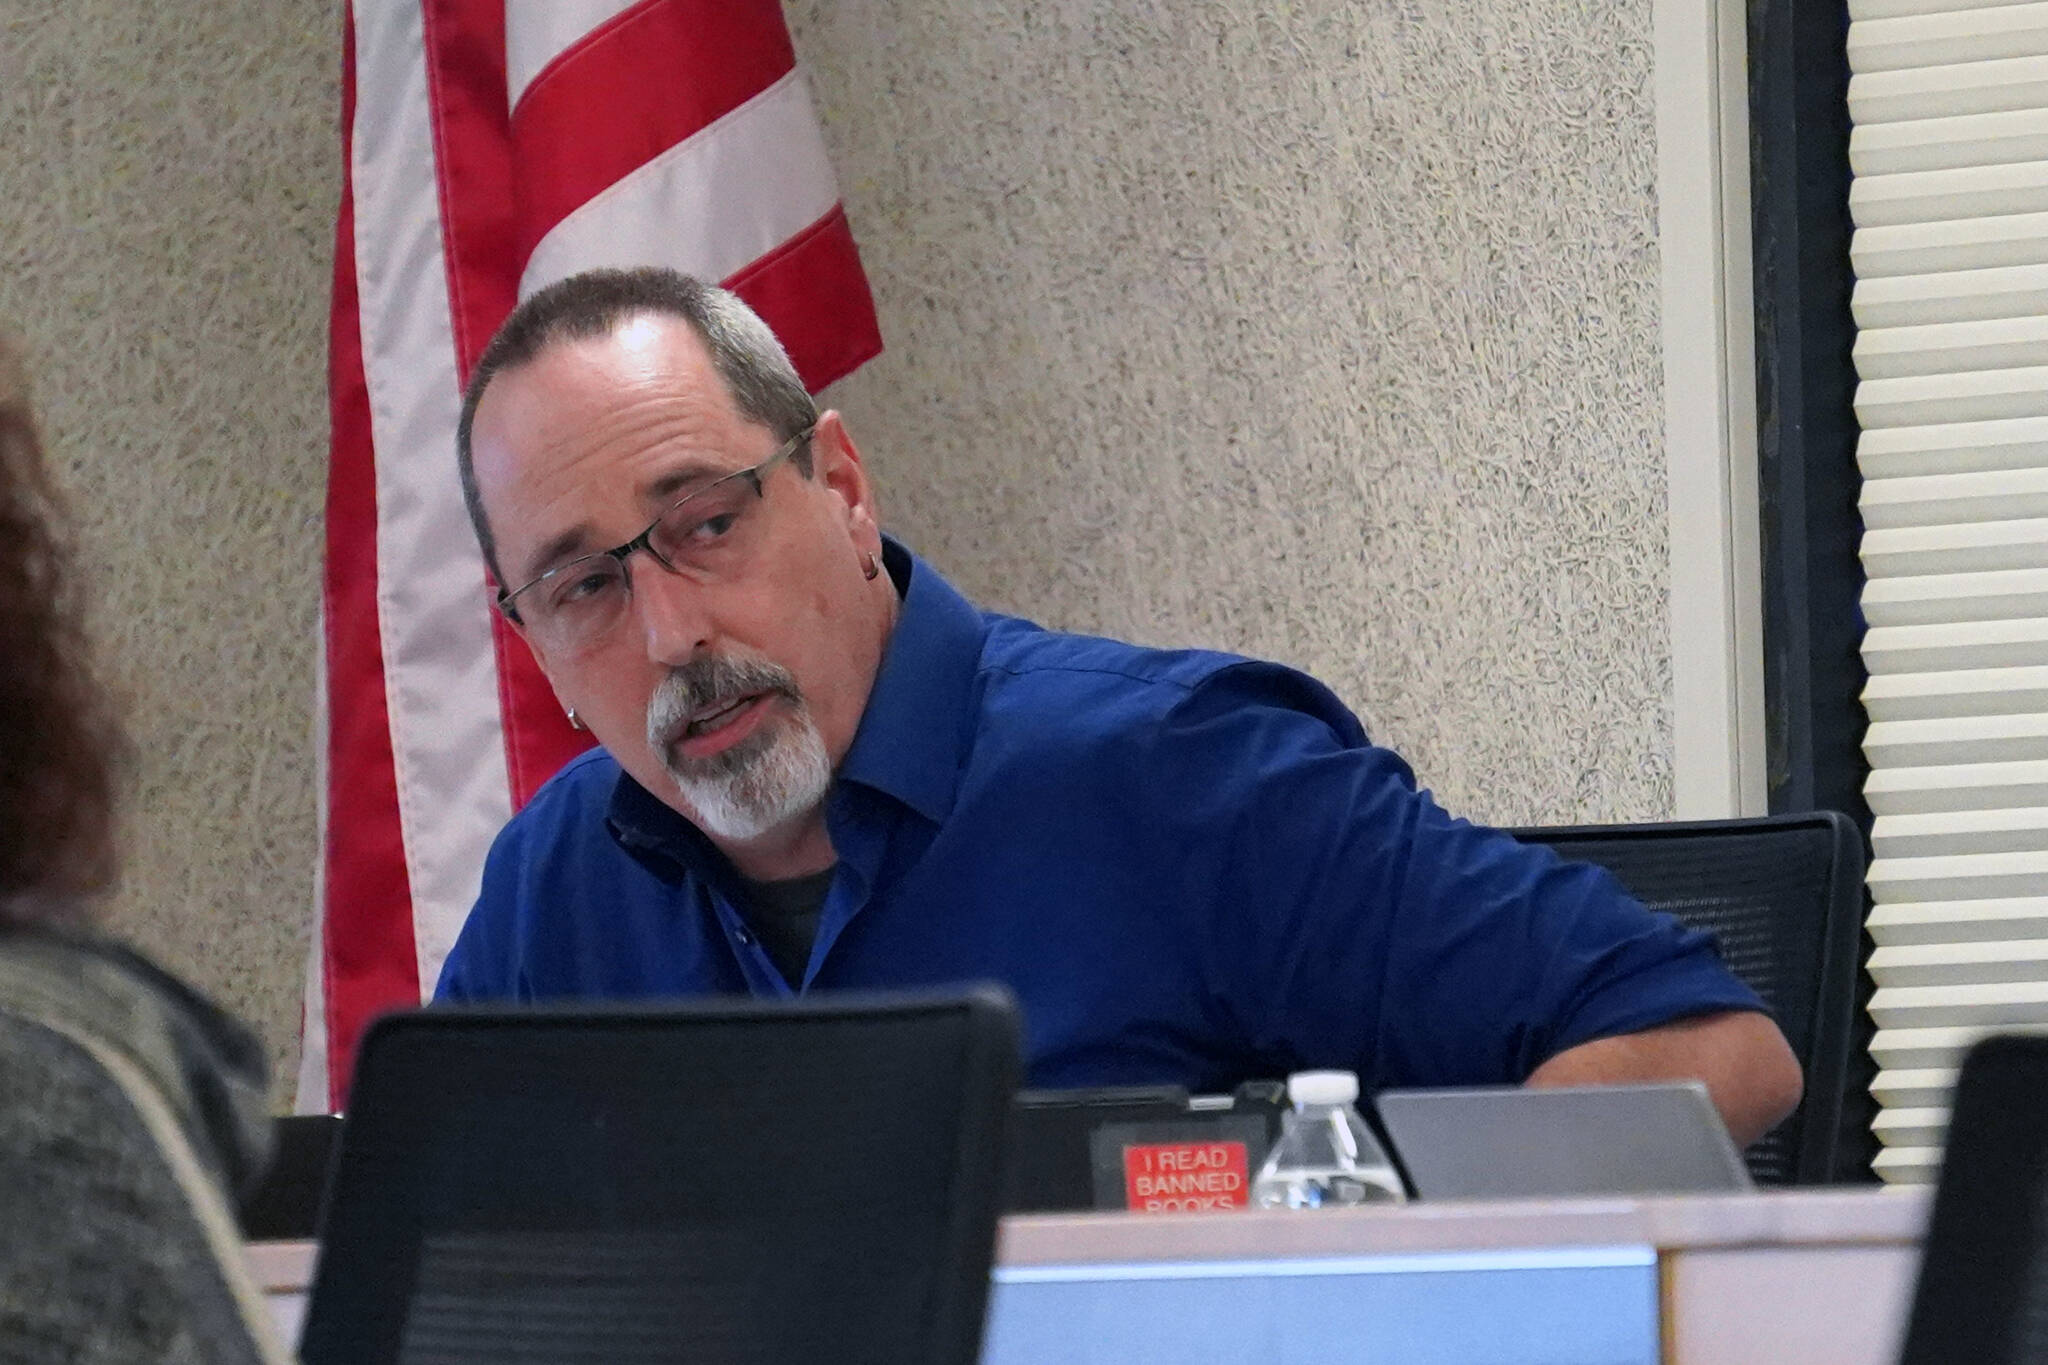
(762, 383)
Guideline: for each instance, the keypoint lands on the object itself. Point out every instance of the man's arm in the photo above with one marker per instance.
(1748, 1068)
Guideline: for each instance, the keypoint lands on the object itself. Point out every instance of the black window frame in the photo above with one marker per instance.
(1808, 482)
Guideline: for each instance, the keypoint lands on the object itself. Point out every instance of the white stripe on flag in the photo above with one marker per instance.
(313, 1095)
(538, 31)
(709, 205)
(440, 672)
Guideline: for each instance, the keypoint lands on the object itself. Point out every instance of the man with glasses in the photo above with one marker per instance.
(822, 768)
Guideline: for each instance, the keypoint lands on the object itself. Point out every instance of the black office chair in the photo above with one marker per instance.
(728, 1181)
(1982, 1297)
(1784, 895)
(285, 1204)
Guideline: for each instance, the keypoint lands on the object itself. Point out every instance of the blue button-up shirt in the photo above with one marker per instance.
(1190, 867)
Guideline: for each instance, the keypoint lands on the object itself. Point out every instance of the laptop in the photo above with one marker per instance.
(1511, 1142)
(1068, 1148)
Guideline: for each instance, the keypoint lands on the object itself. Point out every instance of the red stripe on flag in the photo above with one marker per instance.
(813, 293)
(367, 953)
(465, 45)
(465, 56)
(538, 737)
(630, 90)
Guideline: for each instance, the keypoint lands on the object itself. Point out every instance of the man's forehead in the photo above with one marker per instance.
(638, 412)
(573, 377)
(595, 387)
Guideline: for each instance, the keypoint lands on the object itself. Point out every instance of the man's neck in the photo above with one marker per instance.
(796, 849)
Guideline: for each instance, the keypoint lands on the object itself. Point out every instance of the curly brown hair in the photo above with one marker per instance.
(59, 747)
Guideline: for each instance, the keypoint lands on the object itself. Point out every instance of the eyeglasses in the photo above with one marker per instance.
(709, 534)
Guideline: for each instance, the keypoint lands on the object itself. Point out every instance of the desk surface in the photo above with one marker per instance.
(1791, 1218)
(1800, 1277)
(1811, 1218)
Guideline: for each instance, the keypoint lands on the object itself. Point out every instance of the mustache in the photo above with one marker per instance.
(707, 683)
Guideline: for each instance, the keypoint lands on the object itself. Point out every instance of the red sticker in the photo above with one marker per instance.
(1180, 1177)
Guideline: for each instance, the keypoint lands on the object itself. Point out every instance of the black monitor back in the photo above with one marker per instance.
(1983, 1292)
(719, 1182)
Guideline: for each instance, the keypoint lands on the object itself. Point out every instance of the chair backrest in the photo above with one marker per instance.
(1982, 1298)
(1784, 896)
(724, 1181)
(284, 1205)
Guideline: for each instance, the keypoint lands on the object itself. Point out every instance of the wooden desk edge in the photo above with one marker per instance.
(1815, 1218)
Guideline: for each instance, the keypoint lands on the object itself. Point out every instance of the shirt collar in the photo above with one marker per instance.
(914, 733)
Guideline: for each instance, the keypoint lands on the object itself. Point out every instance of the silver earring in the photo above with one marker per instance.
(575, 721)
(871, 569)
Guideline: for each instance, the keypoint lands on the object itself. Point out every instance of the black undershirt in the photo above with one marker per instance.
(784, 916)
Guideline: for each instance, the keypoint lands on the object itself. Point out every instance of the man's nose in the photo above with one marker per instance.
(671, 610)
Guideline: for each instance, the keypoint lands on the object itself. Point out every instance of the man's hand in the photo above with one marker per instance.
(1749, 1069)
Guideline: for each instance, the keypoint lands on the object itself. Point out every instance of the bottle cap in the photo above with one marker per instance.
(1322, 1087)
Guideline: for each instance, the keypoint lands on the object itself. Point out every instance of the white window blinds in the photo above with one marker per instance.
(1949, 103)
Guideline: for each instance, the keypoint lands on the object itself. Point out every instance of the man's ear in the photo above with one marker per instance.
(838, 465)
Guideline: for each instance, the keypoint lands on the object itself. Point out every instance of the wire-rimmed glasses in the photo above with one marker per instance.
(707, 533)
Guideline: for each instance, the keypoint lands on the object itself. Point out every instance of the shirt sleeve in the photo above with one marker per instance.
(1353, 923)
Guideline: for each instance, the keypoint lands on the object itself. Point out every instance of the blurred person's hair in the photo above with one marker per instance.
(59, 745)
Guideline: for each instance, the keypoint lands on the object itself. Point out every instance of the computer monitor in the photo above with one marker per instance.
(723, 1181)
(1982, 1297)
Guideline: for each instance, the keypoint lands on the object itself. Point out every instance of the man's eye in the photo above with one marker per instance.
(584, 586)
(711, 528)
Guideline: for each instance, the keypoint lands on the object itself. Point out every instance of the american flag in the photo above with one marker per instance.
(492, 147)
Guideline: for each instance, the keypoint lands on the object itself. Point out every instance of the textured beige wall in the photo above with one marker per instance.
(1326, 332)
(167, 195)
(1319, 331)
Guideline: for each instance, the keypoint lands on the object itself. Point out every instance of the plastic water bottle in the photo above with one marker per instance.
(1326, 1156)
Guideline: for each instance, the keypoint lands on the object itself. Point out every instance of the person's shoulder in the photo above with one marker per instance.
(552, 860)
(557, 851)
(573, 801)
(553, 853)
(1020, 653)
(585, 779)
(209, 1066)
(1094, 683)
(137, 1131)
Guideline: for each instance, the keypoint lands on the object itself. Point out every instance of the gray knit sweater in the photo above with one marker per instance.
(130, 1111)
